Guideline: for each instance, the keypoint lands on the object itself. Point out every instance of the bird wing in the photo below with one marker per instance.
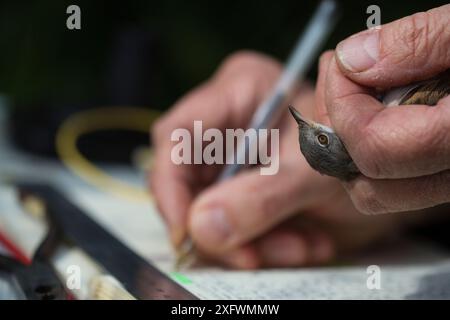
(396, 96)
(427, 92)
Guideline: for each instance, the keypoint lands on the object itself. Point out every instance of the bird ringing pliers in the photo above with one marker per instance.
(37, 279)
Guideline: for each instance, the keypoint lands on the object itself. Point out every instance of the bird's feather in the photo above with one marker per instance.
(427, 92)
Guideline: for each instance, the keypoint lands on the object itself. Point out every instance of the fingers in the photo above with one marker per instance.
(225, 219)
(321, 112)
(400, 142)
(280, 248)
(229, 98)
(232, 213)
(285, 247)
(403, 151)
(406, 50)
(245, 257)
(173, 191)
(372, 196)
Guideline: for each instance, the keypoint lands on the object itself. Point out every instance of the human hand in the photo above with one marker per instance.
(293, 218)
(402, 152)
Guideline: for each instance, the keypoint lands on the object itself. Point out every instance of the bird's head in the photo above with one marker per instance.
(323, 149)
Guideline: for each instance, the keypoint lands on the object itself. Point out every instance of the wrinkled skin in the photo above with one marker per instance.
(294, 218)
(401, 151)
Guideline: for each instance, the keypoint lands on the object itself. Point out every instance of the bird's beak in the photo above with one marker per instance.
(298, 117)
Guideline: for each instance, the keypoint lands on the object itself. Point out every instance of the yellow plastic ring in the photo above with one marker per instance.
(106, 118)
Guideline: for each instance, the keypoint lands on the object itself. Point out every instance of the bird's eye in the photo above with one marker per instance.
(323, 139)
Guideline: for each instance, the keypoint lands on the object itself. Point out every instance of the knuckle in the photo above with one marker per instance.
(324, 57)
(410, 145)
(439, 35)
(420, 35)
(371, 154)
(411, 34)
(392, 147)
(247, 63)
(239, 59)
(243, 76)
(157, 129)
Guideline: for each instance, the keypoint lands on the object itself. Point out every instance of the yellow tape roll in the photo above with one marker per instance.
(106, 118)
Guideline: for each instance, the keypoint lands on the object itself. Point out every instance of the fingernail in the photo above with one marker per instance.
(177, 235)
(360, 52)
(211, 226)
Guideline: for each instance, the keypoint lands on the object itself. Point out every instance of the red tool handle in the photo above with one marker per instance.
(16, 252)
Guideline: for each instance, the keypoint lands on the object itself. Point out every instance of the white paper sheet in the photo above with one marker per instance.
(140, 227)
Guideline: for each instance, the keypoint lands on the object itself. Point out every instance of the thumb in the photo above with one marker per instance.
(231, 213)
(413, 48)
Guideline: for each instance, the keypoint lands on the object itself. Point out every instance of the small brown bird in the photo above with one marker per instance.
(325, 151)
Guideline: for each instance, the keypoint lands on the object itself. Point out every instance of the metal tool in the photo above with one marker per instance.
(136, 275)
(37, 280)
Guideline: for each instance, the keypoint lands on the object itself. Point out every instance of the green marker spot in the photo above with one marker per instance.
(180, 278)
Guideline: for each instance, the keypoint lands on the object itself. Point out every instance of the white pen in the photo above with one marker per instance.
(304, 53)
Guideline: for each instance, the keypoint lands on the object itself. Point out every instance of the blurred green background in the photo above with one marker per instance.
(143, 53)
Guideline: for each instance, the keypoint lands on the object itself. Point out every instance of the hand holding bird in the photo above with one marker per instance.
(402, 152)
(326, 152)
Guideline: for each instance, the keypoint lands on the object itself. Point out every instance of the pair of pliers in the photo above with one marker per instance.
(38, 279)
